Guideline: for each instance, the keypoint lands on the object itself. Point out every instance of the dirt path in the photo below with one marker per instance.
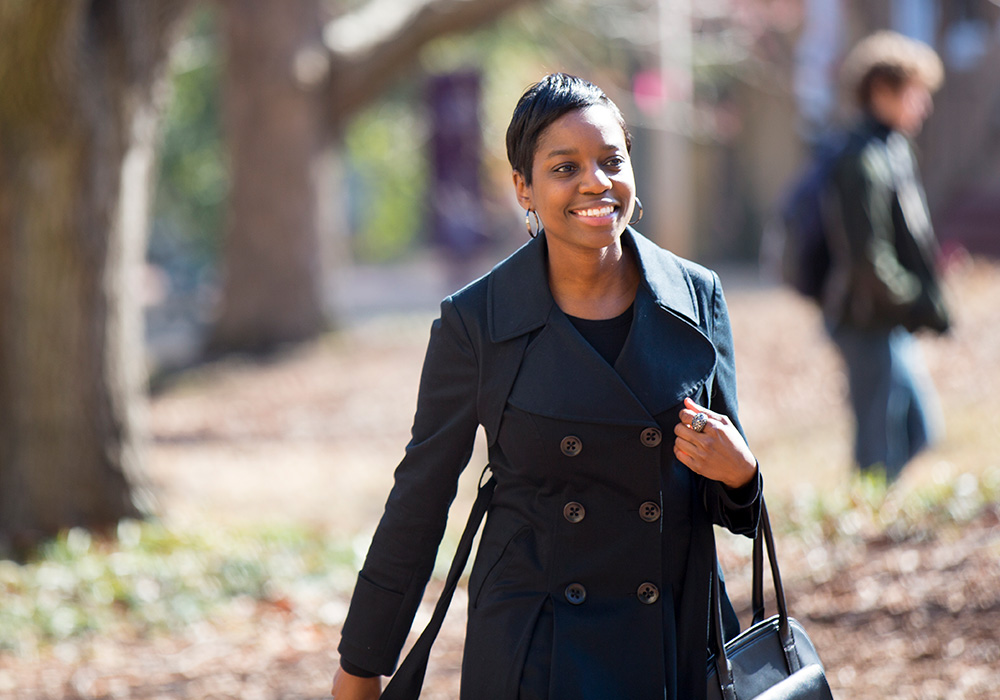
(312, 437)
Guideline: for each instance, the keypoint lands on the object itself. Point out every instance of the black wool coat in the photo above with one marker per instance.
(592, 574)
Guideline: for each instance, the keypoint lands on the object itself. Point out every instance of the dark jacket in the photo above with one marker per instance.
(598, 544)
(883, 251)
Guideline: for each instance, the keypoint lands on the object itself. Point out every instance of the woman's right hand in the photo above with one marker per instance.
(350, 687)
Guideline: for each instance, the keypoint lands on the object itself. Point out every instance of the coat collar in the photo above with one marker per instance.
(666, 357)
(519, 299)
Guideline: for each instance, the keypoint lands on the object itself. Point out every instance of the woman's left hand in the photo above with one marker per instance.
(718, 452)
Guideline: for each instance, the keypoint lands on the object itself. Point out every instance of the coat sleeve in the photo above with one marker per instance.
(401, 556)
(738, 510)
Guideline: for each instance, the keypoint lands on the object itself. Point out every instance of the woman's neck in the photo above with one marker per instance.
(593, 284)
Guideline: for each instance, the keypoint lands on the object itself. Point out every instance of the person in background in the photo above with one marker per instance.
(883, 282)
(601, 367)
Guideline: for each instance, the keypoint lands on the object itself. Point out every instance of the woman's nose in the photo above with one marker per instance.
(596, 181)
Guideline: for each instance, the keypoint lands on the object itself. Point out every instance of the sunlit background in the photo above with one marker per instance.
(234, 358)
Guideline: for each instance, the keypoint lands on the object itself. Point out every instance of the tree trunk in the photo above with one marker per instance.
(272, 281)
(77, 137)
(291, 86)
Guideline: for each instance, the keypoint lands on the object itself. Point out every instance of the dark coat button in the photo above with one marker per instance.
(651, 437)
(576, 593)
(574, 512)
(648, 593)
(649, 511)
(571, 445)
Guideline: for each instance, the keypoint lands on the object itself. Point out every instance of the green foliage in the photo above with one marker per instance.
(154, 580)
(387, 174)
(193, 181)
(869, 508)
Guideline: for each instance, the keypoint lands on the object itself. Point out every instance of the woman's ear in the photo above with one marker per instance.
(523, 191)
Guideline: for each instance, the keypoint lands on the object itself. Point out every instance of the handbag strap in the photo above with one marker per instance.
(724, 668)
(405, 684)
(757, 588)
(765, 538)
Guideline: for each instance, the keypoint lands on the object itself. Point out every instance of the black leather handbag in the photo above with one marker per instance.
(773, 659)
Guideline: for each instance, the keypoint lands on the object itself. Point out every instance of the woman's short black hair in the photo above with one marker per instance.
(543, 103)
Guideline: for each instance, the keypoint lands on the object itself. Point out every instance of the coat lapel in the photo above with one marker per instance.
(563, 377)
(665, 358)
(667, 355)
(518, 297)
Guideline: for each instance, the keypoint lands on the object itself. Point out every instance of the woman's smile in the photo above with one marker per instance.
(596, 215)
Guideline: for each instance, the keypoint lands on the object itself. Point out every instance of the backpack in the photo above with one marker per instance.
(795, 249)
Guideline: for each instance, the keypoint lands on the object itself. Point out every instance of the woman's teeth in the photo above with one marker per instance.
(601, 211)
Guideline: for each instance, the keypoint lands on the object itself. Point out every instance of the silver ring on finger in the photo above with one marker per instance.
(699, 422)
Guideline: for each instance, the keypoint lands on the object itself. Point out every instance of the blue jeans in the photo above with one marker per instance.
(894, 401)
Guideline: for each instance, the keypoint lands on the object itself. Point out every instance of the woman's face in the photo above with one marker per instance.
(582, 186)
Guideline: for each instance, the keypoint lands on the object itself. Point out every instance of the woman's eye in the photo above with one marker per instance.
(615, 162)
(564, 168)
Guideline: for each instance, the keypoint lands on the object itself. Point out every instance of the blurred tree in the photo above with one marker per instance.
(274, 68)
(77, 139)
(293, 81)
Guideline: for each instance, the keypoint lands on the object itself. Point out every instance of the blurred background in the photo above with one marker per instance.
(225, 227)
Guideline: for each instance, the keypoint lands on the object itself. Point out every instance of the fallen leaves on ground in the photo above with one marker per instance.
(314, 435)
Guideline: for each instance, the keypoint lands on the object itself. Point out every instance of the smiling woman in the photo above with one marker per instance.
(585, 356)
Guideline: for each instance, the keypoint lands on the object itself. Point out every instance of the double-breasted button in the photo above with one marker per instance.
(571, 445)
(576, 593)
(648, 593)
(574, 512)
(649, 511)
(651, 437)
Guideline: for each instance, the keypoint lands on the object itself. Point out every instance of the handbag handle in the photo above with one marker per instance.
(408, 679)
(765, 538)
(724, 668)
(757, 588)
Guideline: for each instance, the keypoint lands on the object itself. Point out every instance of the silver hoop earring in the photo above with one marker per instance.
(533, 232)
(638, 218)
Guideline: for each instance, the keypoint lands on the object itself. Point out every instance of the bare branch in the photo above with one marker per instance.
(371, 46)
